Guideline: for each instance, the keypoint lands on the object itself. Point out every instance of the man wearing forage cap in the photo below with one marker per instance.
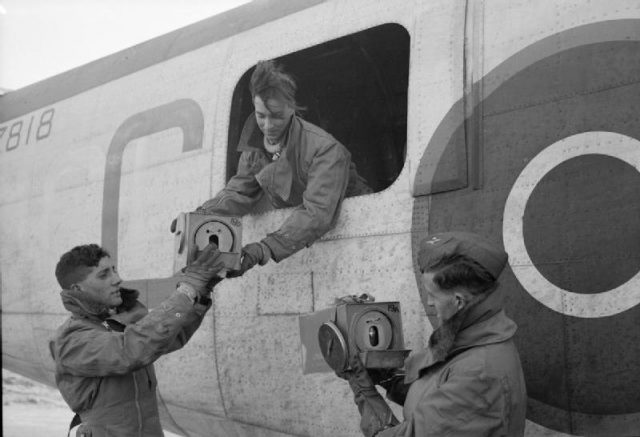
(469, 380)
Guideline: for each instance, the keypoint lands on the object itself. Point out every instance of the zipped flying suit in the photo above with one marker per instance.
(476, 390)
(104, 363)
(314, 174)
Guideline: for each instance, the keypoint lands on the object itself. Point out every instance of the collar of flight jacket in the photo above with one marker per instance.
(129, 311)
(485, 323)
(278, 174)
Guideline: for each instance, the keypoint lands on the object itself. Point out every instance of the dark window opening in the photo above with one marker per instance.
(355, 88)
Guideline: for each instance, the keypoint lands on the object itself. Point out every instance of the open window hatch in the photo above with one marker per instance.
(353, 87)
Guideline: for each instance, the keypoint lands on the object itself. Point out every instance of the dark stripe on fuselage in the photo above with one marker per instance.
(582, 372)
(110, 68)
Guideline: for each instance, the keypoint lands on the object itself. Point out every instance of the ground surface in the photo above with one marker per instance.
(33, 409)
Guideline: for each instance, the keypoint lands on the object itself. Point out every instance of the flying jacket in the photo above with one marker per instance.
(104, 367)
(477, 390)
(313, 174)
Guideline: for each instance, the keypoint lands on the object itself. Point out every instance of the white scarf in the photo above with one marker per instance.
(273, 149)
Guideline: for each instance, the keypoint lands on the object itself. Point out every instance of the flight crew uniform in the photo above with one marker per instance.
(104, 362)
(477, 389)
(313, 173)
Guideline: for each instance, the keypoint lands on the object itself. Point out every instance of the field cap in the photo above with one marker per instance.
(473, 246)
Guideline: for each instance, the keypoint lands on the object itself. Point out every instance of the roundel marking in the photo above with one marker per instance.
(567, 302)
(582, 373)
(588, 201)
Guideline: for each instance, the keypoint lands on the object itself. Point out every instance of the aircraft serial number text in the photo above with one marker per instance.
(20, 132)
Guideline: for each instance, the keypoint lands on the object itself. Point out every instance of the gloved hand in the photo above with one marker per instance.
(374, 411)
(380, 375)
(202, 274)
(252, 254)
(392, 380)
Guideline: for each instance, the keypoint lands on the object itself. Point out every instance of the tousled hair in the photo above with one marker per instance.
(453, 271)
(75, 264)
(270, 80)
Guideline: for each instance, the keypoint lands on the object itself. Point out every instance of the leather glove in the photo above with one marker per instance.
(392, 380)
(380, 376)
(252, 254)
(374, 411)
(202, 274)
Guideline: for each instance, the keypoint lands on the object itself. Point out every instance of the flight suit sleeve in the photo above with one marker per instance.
(187, 330)
(327, 181)
(240, 195)
(93, 352)
(467, 405)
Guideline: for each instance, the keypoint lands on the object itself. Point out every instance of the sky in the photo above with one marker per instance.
(41, 38)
